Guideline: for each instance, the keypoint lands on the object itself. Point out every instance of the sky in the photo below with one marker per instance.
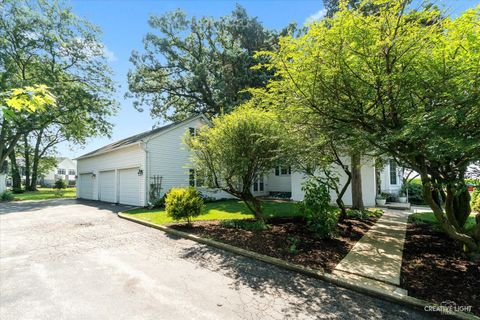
(124, 24)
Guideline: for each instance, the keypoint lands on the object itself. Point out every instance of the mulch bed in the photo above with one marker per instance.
(435, 269)
(276, 241)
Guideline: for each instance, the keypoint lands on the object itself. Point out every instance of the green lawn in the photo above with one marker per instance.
(221, 210)
(429, 217)
(45, 193)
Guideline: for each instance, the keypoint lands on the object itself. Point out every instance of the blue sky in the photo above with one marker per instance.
(124, 23)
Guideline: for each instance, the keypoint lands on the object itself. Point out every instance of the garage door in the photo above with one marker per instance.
(129, 187)
(106, 185)
(85, 186)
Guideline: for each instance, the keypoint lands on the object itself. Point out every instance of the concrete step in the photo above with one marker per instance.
(396, 206)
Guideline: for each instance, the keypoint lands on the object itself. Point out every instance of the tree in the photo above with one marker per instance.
(236, 150)
(407, 87)
(18, 105)
(313, 151)
(45, 43)
(203, 65)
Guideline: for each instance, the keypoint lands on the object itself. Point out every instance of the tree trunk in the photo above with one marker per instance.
(16, 178)
(340, 203)
(461, 206)
(254, 205)
(36, 160)
(27, 162)
(447, 219)
(357, 197)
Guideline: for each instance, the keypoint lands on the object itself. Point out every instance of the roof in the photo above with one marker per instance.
(134, 139)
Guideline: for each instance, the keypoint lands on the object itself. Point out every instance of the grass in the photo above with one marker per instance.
(221, 210)
(44, 194)
(429, 218)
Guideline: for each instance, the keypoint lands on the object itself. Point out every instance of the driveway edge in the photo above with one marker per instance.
(405, 300)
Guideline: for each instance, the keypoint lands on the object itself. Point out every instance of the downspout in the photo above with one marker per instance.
(146, 165)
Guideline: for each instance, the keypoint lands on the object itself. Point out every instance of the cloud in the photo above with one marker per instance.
(109, 54)
(316, 16)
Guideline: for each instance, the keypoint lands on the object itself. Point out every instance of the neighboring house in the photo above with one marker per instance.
(127, 171)
(391, 178)
(66, 170)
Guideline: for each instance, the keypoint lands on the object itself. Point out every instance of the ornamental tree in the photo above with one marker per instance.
(236, 150)
(407, 82)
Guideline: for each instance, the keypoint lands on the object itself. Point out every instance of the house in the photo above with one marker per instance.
(3, 182)
(66, 170)
(391, 178)
(130, 170)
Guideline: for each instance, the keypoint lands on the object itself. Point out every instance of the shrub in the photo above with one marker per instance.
(321, 218)
(415, 192)
(60, 184)
(18, 190)
(183, 203)
(6, 196)
(475, 200)
(249, 225)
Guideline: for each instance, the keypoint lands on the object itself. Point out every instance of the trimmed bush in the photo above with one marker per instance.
(183, 203)
(6, 196)
(60, 184)
(18, 190)
(321, 217)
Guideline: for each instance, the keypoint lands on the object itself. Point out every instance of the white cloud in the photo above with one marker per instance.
(109, 54)
(316, 16)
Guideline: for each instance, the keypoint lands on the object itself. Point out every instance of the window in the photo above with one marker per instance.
(61, 171)
(283, 171)
(71, 172)
(258, 184)
(393, 172)
(193, 131)
(192, 177)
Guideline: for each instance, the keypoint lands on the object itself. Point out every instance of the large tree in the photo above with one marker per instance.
(199, 65)
(45, 43)
(405, 81)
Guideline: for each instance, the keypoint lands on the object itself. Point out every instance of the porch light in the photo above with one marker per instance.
(140, 172)
(94, 175)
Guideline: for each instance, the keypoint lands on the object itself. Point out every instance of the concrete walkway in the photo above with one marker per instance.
(376, 259)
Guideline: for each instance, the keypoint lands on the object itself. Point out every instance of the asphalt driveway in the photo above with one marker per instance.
(68, 259)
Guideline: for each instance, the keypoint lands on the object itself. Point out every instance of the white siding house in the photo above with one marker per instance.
(391, 178)
(66, 170)
(368, 183)
(3, 182)
(126, 171)
(123, 172)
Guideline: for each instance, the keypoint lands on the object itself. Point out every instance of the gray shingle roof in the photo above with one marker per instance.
(132, 140)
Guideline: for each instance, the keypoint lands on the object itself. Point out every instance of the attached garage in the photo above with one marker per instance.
(129, 186)
(85, 186)
(106, 186)
(121, 172)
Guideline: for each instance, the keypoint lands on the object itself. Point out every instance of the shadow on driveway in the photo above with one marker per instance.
(318, 297)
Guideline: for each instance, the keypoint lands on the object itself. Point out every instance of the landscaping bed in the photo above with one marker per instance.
(287, 239)
(435, 269)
